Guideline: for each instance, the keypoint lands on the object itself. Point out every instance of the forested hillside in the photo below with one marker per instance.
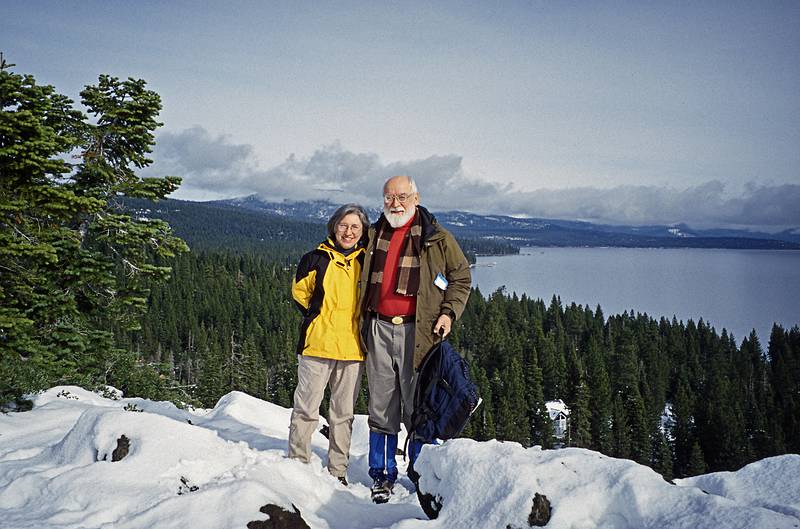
(728, 405)
(225, 322)
(217, 226)
(225, 226)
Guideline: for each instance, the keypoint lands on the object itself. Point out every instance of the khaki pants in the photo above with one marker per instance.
(344, 379)
(391, 376)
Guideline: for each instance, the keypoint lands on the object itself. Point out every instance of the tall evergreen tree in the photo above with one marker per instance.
(75, 264)
(722, 435)
(552, 377)
(538, 420)
(620, 430)
(600, 391)
(682, 428)
(784, 359)
(697, 464)
(661, 459)
(640, 432)
(512, 419)
(580, 418)
(211, 381)
(757, 400)
(580, 433)
(482, 422)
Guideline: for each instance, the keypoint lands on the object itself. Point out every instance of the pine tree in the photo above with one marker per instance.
(600, 404)
(512, 421)
(580, 433)
(661, 459)
(791, 409)
(211, 384)
(75, 263)
(624, 360)
(254, 372)
(784, 358)
(697, 464)
(620, 430)
(722, 435)
(641, 443)
(757, 399)
(580, 419)
(551, 377)
(482, 422)
(541, 425)
(682, 427)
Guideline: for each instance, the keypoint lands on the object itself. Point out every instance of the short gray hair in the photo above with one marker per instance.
(344, 211)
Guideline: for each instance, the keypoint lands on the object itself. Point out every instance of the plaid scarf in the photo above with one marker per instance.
(408, 267)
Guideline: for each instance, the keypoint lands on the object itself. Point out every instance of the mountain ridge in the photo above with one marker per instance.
(547, 232)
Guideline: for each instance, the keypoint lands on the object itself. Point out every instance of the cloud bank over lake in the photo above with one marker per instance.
(216, 167)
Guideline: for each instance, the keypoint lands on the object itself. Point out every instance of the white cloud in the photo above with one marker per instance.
(213, 166)
(705, 205)
(206, 163)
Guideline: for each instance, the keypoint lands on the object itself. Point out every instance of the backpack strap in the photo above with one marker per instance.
(418, 415)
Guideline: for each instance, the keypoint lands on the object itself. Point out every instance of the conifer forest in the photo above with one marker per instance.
(91, 293)
(226, 322)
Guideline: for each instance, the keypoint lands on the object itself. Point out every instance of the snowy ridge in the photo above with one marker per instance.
(216, 468)
(771, 483)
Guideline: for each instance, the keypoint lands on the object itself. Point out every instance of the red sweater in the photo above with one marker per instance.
(391, 303)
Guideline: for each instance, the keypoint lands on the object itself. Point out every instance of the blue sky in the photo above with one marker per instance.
(617, 112)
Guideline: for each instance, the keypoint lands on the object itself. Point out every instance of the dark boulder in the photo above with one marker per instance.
(540, 512)
(430, 504)
(279, 518)
(122, 449)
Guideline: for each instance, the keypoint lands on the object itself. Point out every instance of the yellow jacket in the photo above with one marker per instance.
(325, 289)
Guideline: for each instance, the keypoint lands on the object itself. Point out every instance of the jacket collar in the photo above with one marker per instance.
(329, 247)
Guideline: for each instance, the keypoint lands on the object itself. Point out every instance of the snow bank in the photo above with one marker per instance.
(492, 484)
(772, 483)
(74, 483)
(199, 469)
(215, 468)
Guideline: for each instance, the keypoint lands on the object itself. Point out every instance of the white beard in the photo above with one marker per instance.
(396, 220)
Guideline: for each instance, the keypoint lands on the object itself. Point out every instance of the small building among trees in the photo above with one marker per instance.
(559, 414)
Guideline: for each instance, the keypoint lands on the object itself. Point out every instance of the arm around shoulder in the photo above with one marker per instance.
(304, 283)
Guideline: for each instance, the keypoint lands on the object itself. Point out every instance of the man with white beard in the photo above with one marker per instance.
(414, 283)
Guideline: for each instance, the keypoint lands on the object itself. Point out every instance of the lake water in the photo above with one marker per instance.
(739, 290)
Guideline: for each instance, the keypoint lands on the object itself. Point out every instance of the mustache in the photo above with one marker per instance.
(399, 218)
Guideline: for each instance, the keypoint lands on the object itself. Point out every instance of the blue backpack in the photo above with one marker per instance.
(445, 397)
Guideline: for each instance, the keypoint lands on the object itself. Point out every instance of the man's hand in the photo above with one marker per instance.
(442, 325)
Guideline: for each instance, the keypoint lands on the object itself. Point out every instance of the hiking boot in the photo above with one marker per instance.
(343, 480)
(381, 490)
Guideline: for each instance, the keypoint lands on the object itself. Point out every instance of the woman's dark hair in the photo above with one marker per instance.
(341, 213)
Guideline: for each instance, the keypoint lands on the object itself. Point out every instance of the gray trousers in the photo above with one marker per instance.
(344, 378)
(391, 376)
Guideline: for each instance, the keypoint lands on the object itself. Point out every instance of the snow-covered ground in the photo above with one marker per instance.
(215, 468)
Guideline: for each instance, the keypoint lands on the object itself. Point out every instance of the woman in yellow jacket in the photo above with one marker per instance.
(325, 289)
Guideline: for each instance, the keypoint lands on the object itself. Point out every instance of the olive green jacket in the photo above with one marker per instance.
(440, 253)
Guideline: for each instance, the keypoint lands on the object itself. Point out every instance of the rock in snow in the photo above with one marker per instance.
(226, 468)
